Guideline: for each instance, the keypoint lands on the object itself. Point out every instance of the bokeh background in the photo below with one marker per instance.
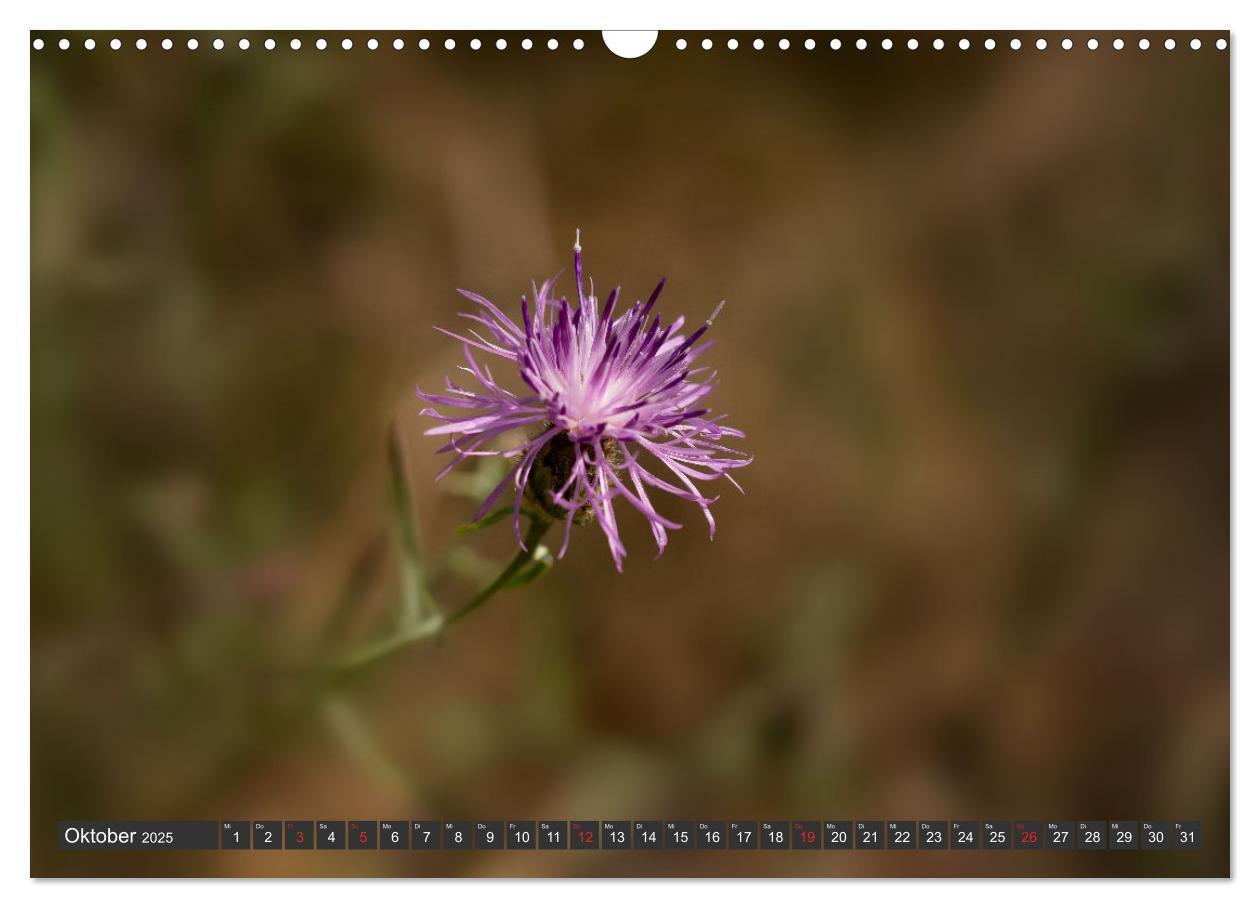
(977, 332)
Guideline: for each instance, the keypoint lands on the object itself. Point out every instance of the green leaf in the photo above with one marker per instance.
(415, 604)
(494, 517)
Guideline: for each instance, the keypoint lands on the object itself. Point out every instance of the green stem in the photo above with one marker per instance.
(428, 628)
(537, 530)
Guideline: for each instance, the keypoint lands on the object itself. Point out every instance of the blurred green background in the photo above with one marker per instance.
(977, 333)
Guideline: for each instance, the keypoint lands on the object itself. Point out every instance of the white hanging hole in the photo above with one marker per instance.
(1092, 44)
(270, 44)
(526, 43)
(784, 44)
(578, 44)
(681, 44)
(243, 44)
(1118, 44)
(373, 44)
(346, 44)
(1041, 44)
(1221, 44)
(861, 44)
(167, 44)
(1144, 44)
(64, 44)
(115, 44)
(758, 44)
(886, 44)
(810, 44)
(1016, 44)
(38, 44)
(399, 44)
(938, 44)
(218, 44)
(90, 43)
(192, 43)
(449, 43)
(475, 44)
(913, 44)
(552, 44)
(732, 44)
(630, 45)
(1066, 44)
(963, 44)
(1195, 43)
(835, 43)
(423, 44)
(500, 44)
(1170, 44)
(989, 44)
(320, 44)
(707, 44)
(141, 44)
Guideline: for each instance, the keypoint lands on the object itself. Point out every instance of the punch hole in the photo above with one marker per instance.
(38, 44)
(707, 44)
(810, 44)
(758, 44)
(218, 44)
(243, 44)
(938, 44)
(835, 43)
(1221, 44)
(1042, 44)
(732, 44)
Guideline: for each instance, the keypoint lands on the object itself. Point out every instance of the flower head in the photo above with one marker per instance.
(607, 394)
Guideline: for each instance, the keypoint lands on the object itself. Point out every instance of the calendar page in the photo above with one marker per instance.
(694, 453)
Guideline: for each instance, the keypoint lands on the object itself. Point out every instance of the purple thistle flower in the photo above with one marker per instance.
(604, 390)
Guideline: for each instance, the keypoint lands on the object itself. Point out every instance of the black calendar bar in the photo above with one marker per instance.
(994, 837)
